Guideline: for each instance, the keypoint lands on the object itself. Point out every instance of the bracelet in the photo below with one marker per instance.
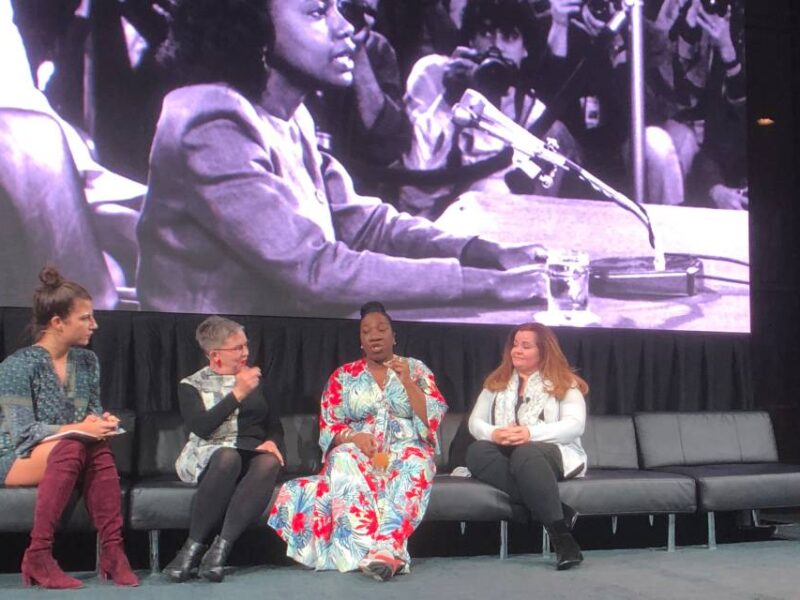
(346, 436)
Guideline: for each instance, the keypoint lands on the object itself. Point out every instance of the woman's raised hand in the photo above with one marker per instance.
(247, 380)
(400, 366)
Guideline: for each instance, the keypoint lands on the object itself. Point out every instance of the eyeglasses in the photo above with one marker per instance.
(238, 349)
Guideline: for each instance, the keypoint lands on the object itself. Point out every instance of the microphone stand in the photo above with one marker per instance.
(631, 12)
(637, 97)
(567, 92)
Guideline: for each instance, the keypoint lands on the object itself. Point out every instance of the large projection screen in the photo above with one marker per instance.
(82, 90)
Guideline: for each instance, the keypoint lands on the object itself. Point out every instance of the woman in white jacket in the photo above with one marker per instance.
(527, 423)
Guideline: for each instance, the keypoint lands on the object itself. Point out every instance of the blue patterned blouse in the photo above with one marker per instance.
(34, 403)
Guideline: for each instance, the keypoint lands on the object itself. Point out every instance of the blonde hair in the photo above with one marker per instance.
(553, 364)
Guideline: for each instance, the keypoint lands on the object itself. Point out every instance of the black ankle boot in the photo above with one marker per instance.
(568, 553)
(185, 561)
(212, 567)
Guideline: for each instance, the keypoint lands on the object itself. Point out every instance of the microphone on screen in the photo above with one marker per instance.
(475, 111)
(657, 276)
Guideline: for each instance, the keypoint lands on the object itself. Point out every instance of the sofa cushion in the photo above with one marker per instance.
(610, 442)
(123, 446)
(161, 438)
(696, 438)
(466, 499)
(447, 433)
(161, 504)
(629, 491)
(18, 504)
(743, 486)
(301, 435)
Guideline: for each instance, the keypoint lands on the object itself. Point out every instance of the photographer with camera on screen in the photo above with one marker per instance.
(706, 77)
(590, 92)
(497, 61)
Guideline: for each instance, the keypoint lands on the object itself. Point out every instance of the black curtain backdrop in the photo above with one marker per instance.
(143, 355)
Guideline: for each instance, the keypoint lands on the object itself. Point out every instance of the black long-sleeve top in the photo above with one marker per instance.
(257, 422)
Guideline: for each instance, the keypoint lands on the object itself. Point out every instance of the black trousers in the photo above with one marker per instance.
(235, 489)
(529, 473)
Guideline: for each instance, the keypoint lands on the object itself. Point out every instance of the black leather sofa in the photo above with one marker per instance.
(732, 457)
(614, 485)
(653, 463)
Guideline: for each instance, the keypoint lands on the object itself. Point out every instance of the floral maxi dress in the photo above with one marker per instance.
(331, 520)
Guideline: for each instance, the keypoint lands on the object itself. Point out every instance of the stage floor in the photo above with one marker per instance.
(763, 570)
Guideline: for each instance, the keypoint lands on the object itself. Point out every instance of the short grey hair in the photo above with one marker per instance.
(213, 332)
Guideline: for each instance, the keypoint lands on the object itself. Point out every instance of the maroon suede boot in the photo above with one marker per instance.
(64, 466)
(101, 492)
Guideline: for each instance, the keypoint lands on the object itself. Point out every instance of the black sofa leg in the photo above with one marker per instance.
(545, 543)
(755, 514)
(712, 532)
(671, 532)
(503, 540)
(153, 537)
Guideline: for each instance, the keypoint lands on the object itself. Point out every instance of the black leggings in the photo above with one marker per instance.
(528, 473)
(235, 489)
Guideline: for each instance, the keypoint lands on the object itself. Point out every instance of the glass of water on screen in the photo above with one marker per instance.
(567, 289)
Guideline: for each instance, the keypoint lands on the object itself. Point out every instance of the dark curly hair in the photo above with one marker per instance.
(220, 41)
(505, 15)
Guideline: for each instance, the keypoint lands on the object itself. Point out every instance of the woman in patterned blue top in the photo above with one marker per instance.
(49, 388)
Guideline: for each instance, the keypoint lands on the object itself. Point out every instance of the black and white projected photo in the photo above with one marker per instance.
(575, 162)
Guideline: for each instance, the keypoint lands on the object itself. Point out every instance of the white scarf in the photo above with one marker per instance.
(535, 396)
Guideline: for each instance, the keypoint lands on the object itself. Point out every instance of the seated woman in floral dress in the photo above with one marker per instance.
(378, 422)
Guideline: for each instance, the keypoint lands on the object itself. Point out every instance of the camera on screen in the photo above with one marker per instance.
(716, 7)
(495, 73)
(602, 10)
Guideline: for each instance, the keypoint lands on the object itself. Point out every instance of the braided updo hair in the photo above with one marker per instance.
(373, 306)
(55, 297)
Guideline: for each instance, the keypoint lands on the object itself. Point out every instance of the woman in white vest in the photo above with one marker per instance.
(527, 423)
(234, 451)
